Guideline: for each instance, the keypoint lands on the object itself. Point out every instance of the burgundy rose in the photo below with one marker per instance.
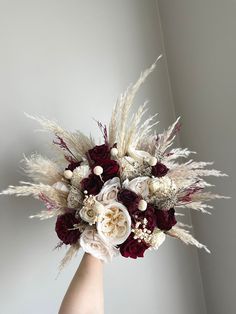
(149, 214)
(99, 152)
(129, 199)
(165, 219)
(132, 248)
(110, 168)
(63, 224)
(92, 184)
(159, 170)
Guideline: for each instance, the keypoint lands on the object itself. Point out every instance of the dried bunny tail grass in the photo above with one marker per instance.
(71, 252)
(42, 169)
(186, 237)
(59, 198)
(165, 139)
(77, 143)
(120, 122)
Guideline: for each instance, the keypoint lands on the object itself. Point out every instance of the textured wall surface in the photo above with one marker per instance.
(201, 47)
(70, 60)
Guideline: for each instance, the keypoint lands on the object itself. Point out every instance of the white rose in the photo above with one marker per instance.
(115, 224)
(91, 211)
(138, 185)
(109, 191)
(92, 243)
(157, 238)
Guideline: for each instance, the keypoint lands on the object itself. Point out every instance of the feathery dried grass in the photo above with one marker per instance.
(42, 170)
(77, 142)
(59, 198)
(186, 237)
(165, 139)
(120, 131)
(71, 252)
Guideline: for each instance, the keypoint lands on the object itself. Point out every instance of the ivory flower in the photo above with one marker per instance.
(138, 185)
(115, 224)
(92, 243)
(109, 191)
(91, 210)
(162, 187)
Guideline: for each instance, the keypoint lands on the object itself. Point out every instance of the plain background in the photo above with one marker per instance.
(201, 47)
(70, 60)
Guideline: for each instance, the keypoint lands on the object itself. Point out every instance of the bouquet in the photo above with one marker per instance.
(120, 197)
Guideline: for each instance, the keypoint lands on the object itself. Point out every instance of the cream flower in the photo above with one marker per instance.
(138, 185)
(92, 243)
(162, 187)
(92, 210)
(79, 174)
(115, 224)
(157, 238)
(109, 191)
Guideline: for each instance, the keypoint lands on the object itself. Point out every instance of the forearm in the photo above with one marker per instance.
(85, 293)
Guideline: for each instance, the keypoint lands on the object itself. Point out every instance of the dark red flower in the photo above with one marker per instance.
(65, 222)
(129, 199)
(99, 152)
(110, 168)
(159, 170)
(132, 248)
(165, 219)
(92, 184)
(149, 214)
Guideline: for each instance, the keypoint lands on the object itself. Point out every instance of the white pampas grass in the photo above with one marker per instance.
(71, 252)
(42, 170)
(58, 198)
(165, 139)
(199, 206)
(119, 126)
(47, 214)
(77, 142)
(186, 237)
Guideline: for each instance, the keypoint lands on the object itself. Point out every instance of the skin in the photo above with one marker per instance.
(85, 292)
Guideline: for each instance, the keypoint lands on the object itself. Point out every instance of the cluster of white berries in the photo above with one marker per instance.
(142, 233)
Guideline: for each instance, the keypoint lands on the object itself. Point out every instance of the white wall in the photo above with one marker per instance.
(69, 60)
(201, 48)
